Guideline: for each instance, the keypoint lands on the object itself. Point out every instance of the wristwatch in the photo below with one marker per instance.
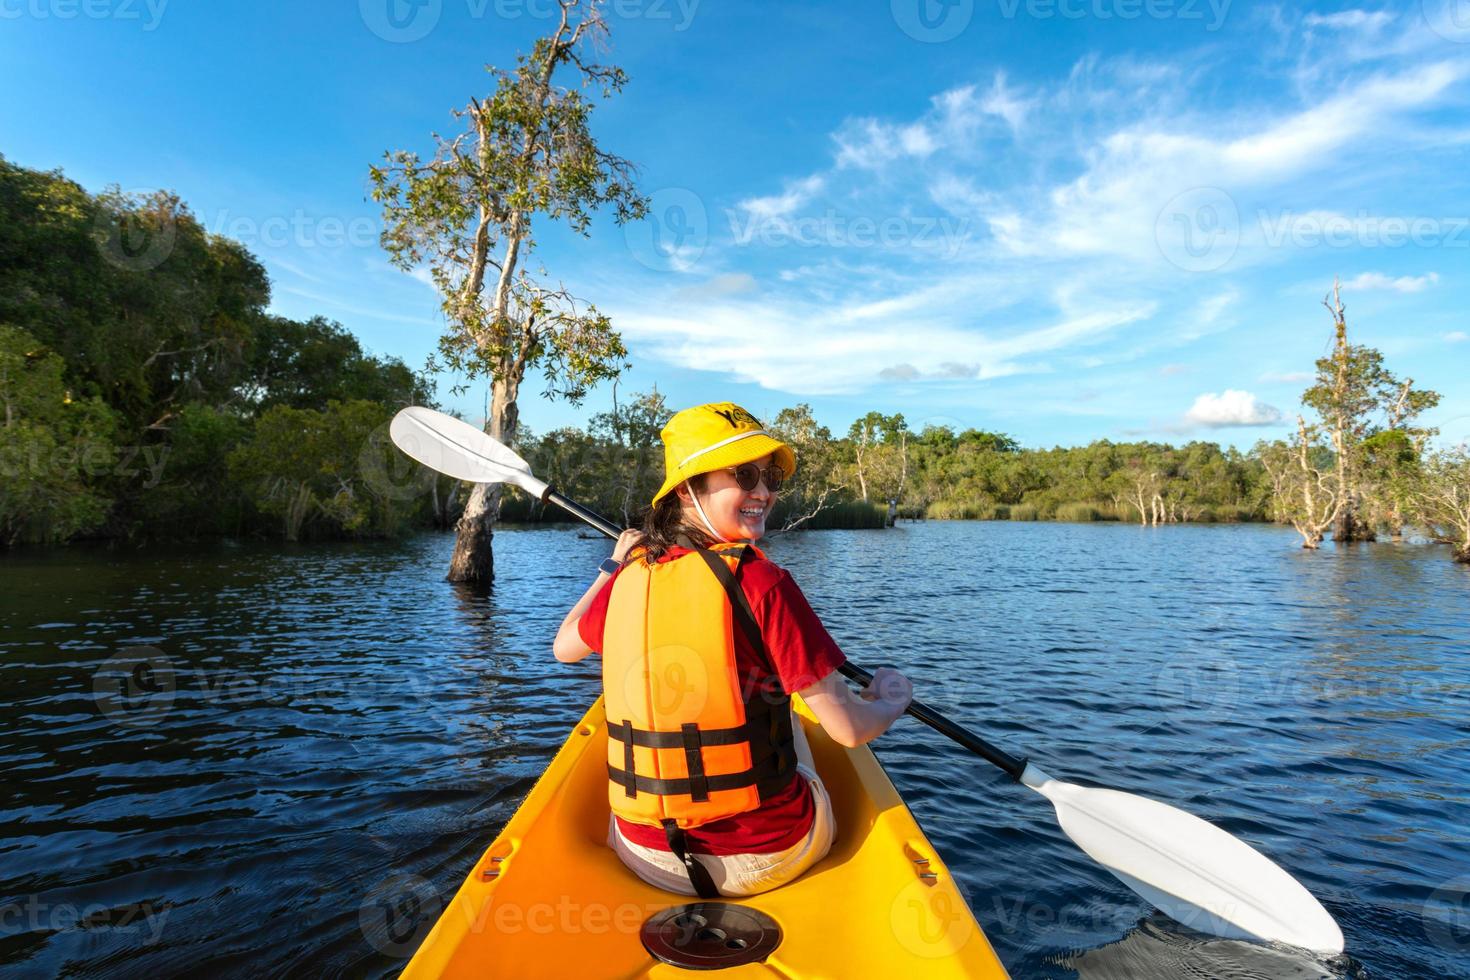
(610, 565)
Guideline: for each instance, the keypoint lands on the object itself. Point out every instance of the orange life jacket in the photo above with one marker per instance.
(689, 741)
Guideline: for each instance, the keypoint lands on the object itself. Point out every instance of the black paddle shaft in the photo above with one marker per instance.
(554, 496)
(917, 709)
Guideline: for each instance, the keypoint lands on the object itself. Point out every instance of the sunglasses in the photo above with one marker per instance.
(747, 475)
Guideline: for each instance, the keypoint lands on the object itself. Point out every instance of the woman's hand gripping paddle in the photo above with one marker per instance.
(1187, 868)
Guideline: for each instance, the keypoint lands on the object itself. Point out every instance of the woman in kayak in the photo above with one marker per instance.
(704, 640)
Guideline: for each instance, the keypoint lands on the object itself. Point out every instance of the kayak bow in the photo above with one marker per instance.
(550, 899)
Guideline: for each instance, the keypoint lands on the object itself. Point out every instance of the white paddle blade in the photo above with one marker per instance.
(455, 448)
(1190, 870)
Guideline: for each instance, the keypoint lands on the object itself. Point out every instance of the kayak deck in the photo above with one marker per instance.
(549, 898)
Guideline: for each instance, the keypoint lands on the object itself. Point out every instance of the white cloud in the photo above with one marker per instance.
(867, 144)
(951, 122)
(1457, 336)
(1133, 173)
(1403, 284)
(1231, 408)
(1003, 101)
(814, 349)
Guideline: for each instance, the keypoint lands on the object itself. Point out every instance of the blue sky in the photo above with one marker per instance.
(1062, 219)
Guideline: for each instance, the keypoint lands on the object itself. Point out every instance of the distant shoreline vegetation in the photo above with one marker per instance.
(881, 471)
(146, 394)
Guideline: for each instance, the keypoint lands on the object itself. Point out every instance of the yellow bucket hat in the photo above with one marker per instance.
(711, 437)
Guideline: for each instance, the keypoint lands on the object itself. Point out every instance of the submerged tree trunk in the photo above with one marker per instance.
(473, 560)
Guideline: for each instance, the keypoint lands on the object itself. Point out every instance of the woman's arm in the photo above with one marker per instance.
(568, 646)
(854, 718)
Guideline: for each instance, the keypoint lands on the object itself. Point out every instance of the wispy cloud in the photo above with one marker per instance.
(796, 194)
(1285, 377)
(1366, 281)
(1357, 20)
(341, 306)
(1069, 267)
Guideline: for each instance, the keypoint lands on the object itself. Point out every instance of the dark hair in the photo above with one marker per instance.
(663, 524)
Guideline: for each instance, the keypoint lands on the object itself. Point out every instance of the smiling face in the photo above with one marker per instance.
(736, 514)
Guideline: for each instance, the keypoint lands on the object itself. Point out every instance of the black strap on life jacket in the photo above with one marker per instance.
(699, 876)
(767, 724)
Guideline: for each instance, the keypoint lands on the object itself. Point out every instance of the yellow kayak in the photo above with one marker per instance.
(550, 899)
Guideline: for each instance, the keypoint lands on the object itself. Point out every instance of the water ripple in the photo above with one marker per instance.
(316, 724)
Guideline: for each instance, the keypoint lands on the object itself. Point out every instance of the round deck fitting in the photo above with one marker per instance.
(710, 935)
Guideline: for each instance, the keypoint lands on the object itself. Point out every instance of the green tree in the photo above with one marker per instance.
(467, 213)
(814, 484)
(304, 465)
(307, 364)
(871, 463)
(632, 468)
(1438, 498)
(55, 451)
(1356, 397)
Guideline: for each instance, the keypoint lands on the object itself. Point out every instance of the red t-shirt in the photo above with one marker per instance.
(801, 653)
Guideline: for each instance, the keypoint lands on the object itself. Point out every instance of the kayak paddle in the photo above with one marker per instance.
(1187, 868)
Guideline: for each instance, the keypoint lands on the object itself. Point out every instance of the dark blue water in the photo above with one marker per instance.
(258, 760)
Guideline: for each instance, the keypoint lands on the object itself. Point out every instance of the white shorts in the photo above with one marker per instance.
(737, 875)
